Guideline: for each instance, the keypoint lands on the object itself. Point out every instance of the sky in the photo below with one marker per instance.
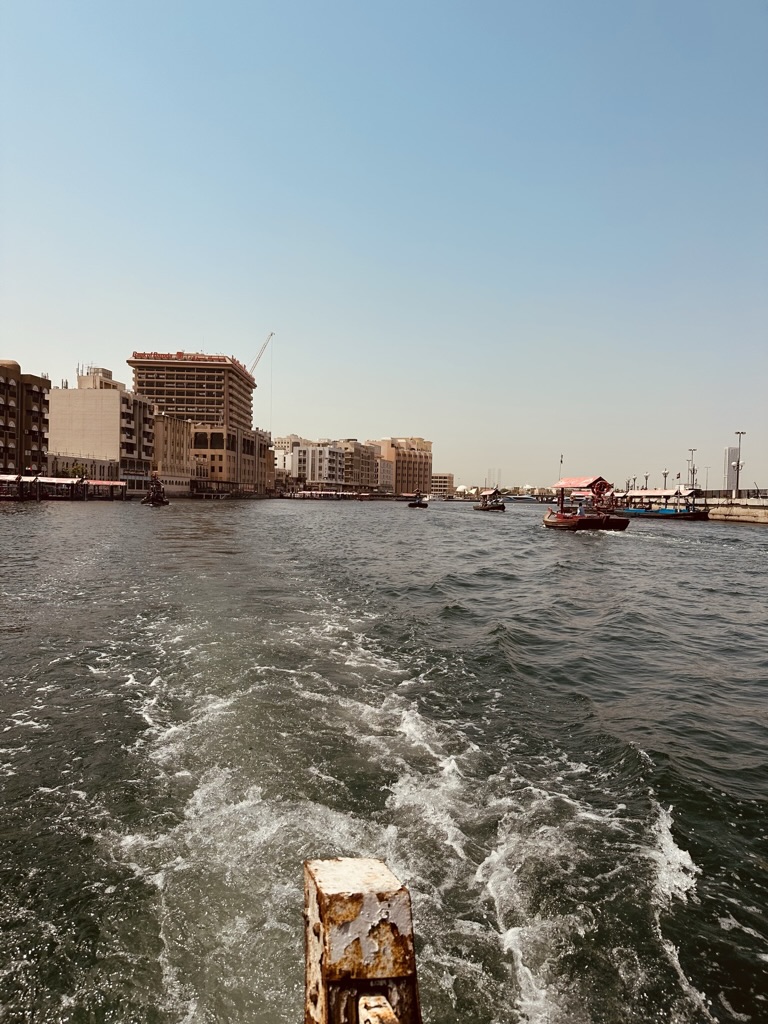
(522, 230)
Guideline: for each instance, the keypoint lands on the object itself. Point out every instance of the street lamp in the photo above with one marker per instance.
(692, 450)
(665, 474)
(738, 463)
(646, 481)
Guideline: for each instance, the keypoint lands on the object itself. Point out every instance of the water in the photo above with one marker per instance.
(558, 742)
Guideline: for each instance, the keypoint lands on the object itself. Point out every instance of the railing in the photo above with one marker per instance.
(360, 960)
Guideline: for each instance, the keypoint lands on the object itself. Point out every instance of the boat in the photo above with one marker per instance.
(155, 496)
(490, 501)
(595, 509)
(687, 514)
(419, 501)
(657, 504)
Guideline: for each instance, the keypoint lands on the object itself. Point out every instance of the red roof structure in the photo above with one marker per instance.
(580, 483)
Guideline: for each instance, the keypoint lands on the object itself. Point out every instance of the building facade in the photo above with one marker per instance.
(24, 420)
(319, 467)
(359, 465)
(411, 458)
(101, 420)
(215, 394)
(442, 485)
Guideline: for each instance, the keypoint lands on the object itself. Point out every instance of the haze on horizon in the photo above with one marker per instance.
(517, 229)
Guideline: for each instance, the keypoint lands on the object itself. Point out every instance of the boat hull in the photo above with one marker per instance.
(570, 522)
(488, 508)
(418, 504)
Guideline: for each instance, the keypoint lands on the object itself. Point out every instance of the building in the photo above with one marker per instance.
(730, 458)
(215, 394)
(217, 390)
(411, 458)
(24, 420)
(442, 485)
(359, 465)
(173, 463)
(319, 467)
(101, 422)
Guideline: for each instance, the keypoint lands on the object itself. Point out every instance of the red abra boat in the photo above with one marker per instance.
(595, 510)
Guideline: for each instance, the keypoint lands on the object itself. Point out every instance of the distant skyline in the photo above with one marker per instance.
(517, 229)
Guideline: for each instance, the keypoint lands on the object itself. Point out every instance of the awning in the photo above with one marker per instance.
(105, 483)
(579, 482)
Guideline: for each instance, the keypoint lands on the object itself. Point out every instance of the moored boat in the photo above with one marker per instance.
(668, 514)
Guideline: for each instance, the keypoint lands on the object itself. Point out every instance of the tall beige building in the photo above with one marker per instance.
(24, 415)
(411, 458)
(101, 420)
(215, 394)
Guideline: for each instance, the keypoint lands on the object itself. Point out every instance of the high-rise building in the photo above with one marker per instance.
(23, 420)
(193, 386)
(101, 420)
(214, 393)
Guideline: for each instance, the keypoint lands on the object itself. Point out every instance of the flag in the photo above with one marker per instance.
(677, 477)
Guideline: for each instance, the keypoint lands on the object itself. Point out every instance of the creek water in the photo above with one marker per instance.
(557, 742)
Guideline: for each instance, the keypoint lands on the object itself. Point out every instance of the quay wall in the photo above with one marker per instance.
(739, 514)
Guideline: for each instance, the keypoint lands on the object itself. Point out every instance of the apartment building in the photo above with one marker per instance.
(411, 458)
(442, 485)
(215, 394)
(359, 464)
(319, 467)
(24, 420)
(101, 420)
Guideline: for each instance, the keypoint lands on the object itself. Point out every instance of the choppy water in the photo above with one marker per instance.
(558, 742)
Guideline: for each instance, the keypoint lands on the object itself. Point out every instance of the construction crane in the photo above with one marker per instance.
(262, 350)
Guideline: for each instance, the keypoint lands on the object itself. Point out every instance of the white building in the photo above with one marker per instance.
(319, 467)
(100, 420)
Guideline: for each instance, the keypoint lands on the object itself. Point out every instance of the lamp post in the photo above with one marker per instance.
(693, 469)
(739, 434)
(665, 474)
(646, 481)
(706, 477)
(634, 482)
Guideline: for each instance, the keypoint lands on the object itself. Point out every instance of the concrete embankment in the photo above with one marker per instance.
(742, 513)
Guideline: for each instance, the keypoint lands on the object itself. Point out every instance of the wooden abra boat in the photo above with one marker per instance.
(595, 510)
(585, 521)
(490, 501)
(155, 496)
(419, 501)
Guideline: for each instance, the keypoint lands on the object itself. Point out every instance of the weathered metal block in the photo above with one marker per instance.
(358, 940)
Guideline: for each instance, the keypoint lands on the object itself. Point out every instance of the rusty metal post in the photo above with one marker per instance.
(358, 943)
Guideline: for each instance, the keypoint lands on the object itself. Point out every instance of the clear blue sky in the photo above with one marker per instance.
(519, 229)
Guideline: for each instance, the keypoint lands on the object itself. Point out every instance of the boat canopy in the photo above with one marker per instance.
(580, 483)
